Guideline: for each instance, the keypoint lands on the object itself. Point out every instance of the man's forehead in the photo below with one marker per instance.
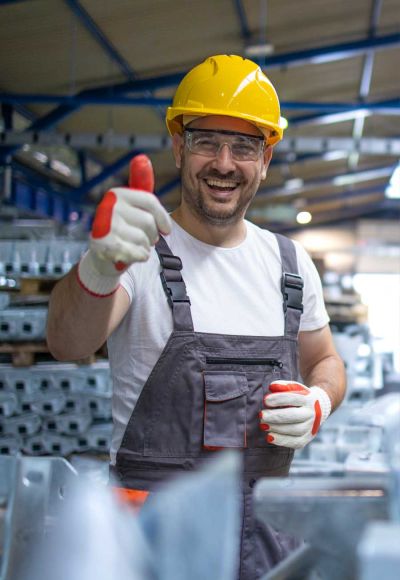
(218, 122)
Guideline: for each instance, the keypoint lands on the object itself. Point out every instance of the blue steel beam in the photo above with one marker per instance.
(334, 52)
(287, 60)
(102, 40)
(4, 2)
(241, 14)
(338, 51)
(100, 37)
(322, 54)
(390, 106)
(82, 100)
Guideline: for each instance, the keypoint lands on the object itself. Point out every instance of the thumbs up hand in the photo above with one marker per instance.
(125, 227)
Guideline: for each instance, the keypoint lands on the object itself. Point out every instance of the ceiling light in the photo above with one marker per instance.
(60, 167)
(295, 183)
(40, 157)
(262, 49)
(303, 217)
(393, 189)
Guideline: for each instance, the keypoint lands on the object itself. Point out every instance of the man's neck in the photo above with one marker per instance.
(224, 236)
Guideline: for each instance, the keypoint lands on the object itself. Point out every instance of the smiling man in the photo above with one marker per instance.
(217, 332)
(225, 162)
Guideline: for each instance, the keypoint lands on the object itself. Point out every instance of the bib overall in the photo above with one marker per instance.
(205, 393)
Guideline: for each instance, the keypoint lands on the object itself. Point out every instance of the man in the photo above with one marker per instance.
(210, 355)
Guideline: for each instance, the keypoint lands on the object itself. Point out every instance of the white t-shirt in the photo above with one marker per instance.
(232, 291)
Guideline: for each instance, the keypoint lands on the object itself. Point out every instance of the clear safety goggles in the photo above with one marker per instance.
(208, 143)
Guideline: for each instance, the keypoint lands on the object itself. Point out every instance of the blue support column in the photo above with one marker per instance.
(241, 14)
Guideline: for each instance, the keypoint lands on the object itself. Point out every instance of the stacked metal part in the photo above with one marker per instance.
(55, 409)
(22, 260)
(23, 323)
(38, 257)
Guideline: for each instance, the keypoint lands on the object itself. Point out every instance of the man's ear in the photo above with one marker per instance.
(177, 148)
(266, 161)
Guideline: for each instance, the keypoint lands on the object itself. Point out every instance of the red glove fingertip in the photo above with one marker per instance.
(318, 417)
(141, 175)
(290, 387)
(102, 219)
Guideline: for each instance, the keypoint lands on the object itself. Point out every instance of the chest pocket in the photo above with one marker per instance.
(225, 409)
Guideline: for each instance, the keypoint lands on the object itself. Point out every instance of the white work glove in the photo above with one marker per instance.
(293, 413)
(126, 224)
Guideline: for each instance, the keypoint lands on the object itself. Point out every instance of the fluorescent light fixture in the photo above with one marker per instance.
(303, 217)
(293, 184)
(60, 167)
(341, 117)
(40, 156)
(264, 49)
(334, 155)
(393, 189)
(368, 175)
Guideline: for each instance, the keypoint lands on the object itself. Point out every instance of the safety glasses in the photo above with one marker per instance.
(208, 143)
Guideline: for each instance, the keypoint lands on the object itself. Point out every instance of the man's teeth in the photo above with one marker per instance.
(222, 183)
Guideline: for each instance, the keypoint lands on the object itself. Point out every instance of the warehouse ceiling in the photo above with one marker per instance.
(85, 83)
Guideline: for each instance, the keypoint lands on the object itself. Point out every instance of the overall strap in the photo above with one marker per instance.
(291, 285)
(174, 286)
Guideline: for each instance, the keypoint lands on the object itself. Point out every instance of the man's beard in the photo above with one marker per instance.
(217, 213)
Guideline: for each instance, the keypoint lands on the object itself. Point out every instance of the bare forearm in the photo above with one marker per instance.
(320, 364)
(78, 323)
(329, 374)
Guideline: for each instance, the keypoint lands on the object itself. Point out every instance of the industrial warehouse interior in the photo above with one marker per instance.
(85, 88)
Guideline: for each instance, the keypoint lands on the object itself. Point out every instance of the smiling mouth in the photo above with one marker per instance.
(225, 185)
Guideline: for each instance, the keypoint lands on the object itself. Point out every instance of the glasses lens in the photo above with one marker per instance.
(204, 143)
(246, 148)
(208, 143)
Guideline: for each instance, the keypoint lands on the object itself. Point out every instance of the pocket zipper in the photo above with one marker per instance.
(245, 361)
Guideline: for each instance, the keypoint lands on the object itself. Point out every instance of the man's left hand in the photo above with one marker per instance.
(293, 413)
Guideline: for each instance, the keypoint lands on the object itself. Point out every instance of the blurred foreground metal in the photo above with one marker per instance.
(56, 524)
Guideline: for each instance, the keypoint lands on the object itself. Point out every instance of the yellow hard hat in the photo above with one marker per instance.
(227, 85)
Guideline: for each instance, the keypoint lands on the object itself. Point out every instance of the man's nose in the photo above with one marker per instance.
(224, 161)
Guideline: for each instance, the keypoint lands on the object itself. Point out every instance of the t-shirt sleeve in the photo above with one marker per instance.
(314, 314)
(128, 283)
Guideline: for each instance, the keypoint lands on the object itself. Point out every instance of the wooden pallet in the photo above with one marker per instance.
(25, 354)
(37, 286)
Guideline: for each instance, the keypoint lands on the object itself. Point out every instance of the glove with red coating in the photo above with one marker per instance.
(126, 224)
(293, 413)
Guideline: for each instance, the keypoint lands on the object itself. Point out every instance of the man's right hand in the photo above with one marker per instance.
(126, 224)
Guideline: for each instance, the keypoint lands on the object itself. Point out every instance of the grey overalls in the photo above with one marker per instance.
(205, 392)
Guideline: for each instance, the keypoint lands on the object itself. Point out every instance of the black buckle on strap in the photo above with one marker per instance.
(169, 262)
(292, 289)
(175, 291)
